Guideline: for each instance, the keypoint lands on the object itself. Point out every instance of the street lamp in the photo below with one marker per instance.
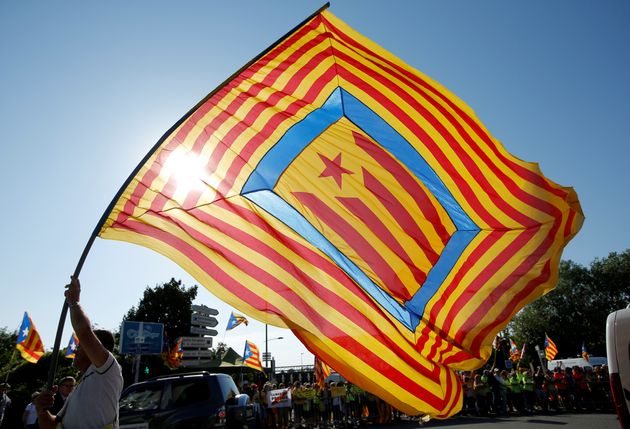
(266, 356)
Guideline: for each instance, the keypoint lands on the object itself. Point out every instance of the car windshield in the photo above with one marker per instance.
(144, 398)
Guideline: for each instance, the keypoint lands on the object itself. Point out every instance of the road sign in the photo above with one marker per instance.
(197, 353)
(204, 310)
(197, 342)
(202, 331)
(200, 320)
(141, 338)
(194, 362)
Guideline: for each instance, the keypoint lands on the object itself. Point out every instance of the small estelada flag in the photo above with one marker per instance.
(29, 342)
(235, 320)
(251, 356)
(550, 348)
(73, 344)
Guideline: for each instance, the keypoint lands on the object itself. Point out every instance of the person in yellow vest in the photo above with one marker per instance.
(528, 384)
(515, 392)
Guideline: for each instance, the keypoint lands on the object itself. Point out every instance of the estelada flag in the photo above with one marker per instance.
(251, 356)
(331, 188)
(235, 320)
(550, 348)
(514, 352)
(71, 350)
(28, 341)
(175, 354)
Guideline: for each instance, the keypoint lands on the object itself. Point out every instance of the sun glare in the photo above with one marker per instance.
(187, 170)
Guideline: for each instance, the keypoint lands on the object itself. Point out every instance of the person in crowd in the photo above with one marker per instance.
(528, 391)
(29, 416)
(65, 388)
(482, 392)
(94, 403)
(560, 382)
(5, 401)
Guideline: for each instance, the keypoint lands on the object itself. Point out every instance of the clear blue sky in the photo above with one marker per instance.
(87, 88)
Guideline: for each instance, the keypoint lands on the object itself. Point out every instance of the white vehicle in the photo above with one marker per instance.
(618, 350)
(570, 363)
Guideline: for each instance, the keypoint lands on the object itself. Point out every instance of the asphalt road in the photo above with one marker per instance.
(537, 421)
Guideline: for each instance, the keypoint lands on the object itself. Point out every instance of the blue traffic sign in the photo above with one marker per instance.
(141, 338)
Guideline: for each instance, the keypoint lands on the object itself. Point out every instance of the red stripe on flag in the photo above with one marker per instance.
(361, 211)
(407, 182)
(388, 277)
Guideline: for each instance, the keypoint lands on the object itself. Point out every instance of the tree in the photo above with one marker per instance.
(575, 311)
(170, 304)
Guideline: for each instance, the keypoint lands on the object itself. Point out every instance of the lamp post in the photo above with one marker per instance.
(267, 356)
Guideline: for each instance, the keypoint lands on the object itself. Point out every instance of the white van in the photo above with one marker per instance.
(618, 350)
(570, 363)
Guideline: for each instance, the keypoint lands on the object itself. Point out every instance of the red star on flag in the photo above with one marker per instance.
(333, 168)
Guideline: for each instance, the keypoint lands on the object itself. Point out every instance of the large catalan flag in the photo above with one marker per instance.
(29, 342)
(333, 189)
(251, 356)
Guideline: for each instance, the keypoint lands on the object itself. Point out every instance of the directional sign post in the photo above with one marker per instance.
(201, 320)
(196, 349)
(196, 342)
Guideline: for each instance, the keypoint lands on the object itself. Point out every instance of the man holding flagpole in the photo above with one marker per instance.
(94, 402)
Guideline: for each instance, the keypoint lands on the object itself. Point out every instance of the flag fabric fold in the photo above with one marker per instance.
(29, 342)
(550, 348)
(322, 371)
(251, 356)
(71, 350)
(330, 188)
(235, 320)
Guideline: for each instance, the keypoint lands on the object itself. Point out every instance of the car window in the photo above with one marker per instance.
(187, 392)
(228, 388)
(144, 398)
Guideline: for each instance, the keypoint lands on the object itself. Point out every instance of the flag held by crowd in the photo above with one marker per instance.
(584, 353)
(71, 350)
(251, 356)
(331, 188)
(550, 348)
(235, 320)
(175, 354)
(515, 354)
(29, 342)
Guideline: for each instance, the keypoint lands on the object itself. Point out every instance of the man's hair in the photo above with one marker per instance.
(106, 338)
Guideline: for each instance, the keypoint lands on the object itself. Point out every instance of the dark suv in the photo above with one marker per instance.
(185, 401)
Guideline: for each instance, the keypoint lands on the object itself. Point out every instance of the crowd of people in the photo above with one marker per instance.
(490, 392)
(521, 391)
(311, 406)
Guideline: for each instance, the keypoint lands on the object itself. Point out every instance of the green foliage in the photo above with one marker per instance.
(169, 304)
(576, 310)
(7, 348)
